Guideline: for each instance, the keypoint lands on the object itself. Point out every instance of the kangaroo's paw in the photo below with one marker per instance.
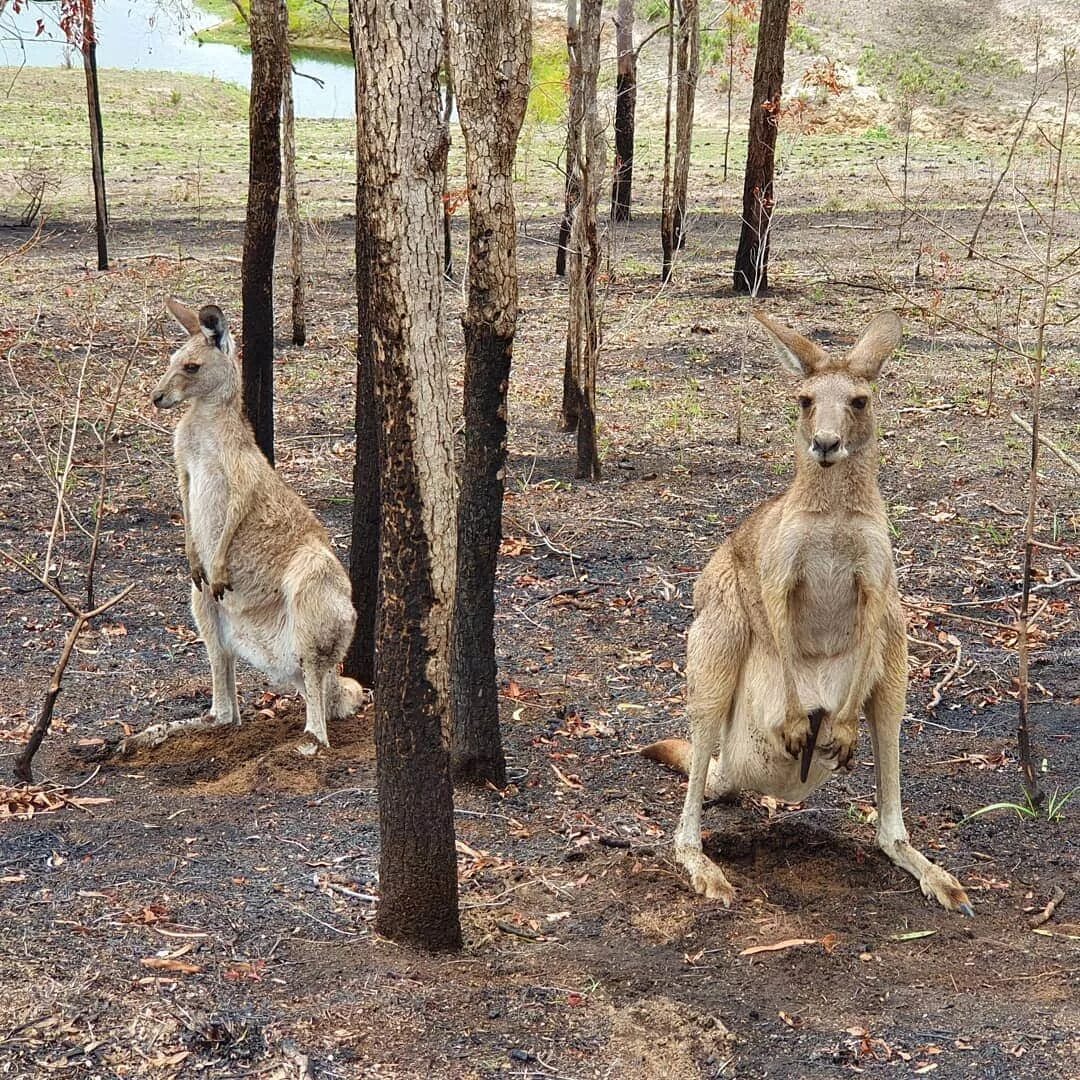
(841, 743)
(348, 698)
(938, 884)
(706, 878)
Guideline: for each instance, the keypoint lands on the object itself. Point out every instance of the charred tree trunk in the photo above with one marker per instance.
(364, 547)
(260, 228)
(402, 166)
(688, 67)
(491, 46)
(573, 140)
(667, 219)
(752, 258)
(97, 133)
(292, 205)
(583, 332)
(625, 107)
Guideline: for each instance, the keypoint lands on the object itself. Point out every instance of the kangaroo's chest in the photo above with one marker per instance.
(831, 562)
(200, 460)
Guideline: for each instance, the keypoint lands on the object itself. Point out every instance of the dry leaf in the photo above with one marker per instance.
(166, 963)
(790, 943)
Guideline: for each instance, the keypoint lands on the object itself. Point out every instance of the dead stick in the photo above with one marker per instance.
(1053, 448)
(935, 697)
(1047, 912)
(22, 769)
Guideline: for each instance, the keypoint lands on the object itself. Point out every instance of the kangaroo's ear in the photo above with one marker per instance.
(798, 354)
(214, 327)
(187, 317)
(878, 342)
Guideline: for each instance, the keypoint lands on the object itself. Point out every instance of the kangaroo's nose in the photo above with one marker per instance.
(158, 397)
(825, 443)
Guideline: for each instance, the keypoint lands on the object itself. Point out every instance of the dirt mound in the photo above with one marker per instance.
(659, 1037)
(260, 756)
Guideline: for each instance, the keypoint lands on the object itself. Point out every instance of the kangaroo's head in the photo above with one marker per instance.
(204, 367)
(836, 404)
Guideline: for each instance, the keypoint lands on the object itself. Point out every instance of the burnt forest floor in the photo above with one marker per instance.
(206, 909)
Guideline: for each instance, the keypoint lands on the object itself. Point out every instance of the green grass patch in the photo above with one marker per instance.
(323, 33)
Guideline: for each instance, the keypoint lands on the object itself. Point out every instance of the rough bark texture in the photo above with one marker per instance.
(97, 134)
(667, 230)
(688, 67)
(402, 163)
(364, 547)
(292, 205)
(583, 333)
(752, 258)
(572, 194)
(490, 48)
(625, 107)
(260, 228)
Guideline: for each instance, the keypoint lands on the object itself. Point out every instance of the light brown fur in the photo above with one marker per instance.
(266, 585)
(798, 615)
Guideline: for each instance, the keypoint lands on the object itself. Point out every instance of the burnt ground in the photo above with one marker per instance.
(206, 909)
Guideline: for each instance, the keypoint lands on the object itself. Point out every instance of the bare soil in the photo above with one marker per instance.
(213, 917)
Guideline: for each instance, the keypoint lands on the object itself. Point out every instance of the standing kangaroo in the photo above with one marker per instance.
(266, 585)
(798, 626)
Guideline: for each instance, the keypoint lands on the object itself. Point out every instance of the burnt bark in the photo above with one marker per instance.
(571, 192)
(292, 203)
(583, 331)
(401, 167)
(97, 133)
(625, 107)
(260, 228)
(491, 51)
(752, 258)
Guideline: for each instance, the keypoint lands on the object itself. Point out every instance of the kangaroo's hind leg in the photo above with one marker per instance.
(884, 711)
(224, 705)
(715, 652)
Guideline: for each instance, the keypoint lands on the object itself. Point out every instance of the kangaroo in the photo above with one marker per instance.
(265, 584)
(798, 626)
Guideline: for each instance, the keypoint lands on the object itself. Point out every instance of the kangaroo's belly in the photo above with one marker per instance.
(265, 639)
(753, 753)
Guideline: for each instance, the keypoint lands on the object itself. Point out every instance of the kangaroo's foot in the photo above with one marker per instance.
(935, 881)
(156, 734)
(706, 877)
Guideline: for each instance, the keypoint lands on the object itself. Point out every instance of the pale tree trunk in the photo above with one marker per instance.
(583, 334)
(490, 48)
(571, 194)
(625, 107)
(402, 165)
(97, 135)
(260, 227)
(364, 547)
(448, 111)
(688, 67)
(292, 205)
(752, 258)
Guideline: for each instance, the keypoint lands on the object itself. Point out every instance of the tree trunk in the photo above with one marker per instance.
(752, 258)
(584, 258)
(448, 111)
(490, 46)
(688, 66)
(292, 206)
(260, 229)
(667, 226)
(97, 134)
(625, 106)
(364, 547)
(573, 140)
(402, 166)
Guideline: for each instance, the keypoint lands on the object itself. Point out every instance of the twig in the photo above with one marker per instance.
(1052, 447)
(1047, 912)
(943, 682)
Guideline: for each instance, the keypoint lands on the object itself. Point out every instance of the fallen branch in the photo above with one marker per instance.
(943, 682)
(1052, 447)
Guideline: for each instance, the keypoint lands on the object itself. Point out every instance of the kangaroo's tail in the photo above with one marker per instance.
(676, 754)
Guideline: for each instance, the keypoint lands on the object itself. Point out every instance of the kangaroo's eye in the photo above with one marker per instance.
(805, 401)
(858, 402)
(192, 368)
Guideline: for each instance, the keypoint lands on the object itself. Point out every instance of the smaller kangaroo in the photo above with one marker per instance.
(266, 585)
(798, 626)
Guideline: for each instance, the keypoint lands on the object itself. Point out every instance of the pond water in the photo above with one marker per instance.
(149, 35)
